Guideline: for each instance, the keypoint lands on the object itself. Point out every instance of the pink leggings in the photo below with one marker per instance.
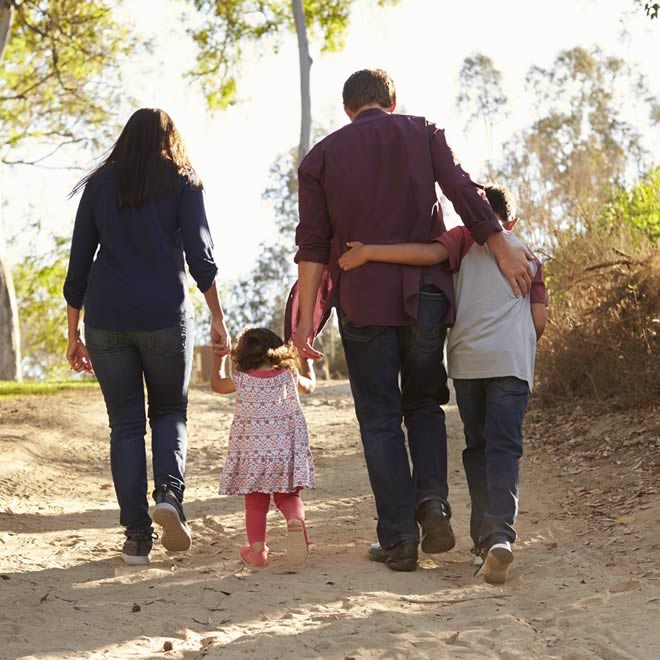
(256, 510)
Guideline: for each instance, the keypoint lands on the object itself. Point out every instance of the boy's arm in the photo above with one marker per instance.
(220, 383)
(411, 254)
(538, 300)
(539, 316)
(307, 378)
(473, 208)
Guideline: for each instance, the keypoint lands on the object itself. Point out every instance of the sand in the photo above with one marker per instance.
(578, 588)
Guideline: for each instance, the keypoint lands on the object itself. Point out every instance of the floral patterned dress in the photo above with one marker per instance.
(268, 442)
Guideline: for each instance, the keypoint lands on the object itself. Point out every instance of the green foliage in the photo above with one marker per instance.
(231, 24)
(652, 9)
(59, 74)
(42, 312)
(638, 208)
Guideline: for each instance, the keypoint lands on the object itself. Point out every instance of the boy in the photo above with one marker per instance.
(491, 351)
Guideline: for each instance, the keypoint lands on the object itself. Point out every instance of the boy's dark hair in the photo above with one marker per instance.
(501, 201)
(257, 346)
(369, 86)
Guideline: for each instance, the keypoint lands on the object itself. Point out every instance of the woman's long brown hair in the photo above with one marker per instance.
(148, 155)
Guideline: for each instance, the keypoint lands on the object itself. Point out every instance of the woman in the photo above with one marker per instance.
(143, 208)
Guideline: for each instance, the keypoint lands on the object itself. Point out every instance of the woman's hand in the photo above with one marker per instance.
(78, 357)
(220, 340)
(356, 256)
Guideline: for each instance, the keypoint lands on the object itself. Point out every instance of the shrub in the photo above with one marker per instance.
(602, 340)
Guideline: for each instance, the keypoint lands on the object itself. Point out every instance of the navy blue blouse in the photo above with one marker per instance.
(136, 280)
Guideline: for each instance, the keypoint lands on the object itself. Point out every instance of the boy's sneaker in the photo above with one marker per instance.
(496, 564)
(137, 548)
(169, 515)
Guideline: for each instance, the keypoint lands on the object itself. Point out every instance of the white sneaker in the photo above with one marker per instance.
(496, 565)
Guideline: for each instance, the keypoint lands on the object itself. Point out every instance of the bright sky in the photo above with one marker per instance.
(420, 42)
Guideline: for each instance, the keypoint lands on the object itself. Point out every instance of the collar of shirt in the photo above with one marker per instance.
(370, 113)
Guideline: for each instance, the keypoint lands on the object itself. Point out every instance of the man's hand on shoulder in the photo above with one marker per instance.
(513, 262)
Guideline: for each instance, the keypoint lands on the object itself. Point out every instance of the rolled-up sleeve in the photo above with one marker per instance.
(466, 196)
(83, 248)
(197, 241)
(458, 242)
(314, 231)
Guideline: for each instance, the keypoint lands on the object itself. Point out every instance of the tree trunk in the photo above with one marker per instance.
(305, 69)
(10, 352)
(5, 23)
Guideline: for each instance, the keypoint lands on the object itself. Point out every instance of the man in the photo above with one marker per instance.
(373, 181)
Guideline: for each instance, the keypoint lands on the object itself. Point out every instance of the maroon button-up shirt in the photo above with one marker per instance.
(374, 181)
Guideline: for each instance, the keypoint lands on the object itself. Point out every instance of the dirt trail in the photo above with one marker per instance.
(577, 589)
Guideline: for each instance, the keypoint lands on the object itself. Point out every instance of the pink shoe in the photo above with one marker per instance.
(254, 559)
(296, 542)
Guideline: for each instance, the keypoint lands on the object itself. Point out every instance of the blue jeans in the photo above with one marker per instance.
(376, 356)
(122, 361)
(492, 410)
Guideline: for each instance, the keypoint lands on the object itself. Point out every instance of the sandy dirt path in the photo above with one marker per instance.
(576, 591)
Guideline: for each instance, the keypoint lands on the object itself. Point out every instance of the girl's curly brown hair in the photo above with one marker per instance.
(258, 346)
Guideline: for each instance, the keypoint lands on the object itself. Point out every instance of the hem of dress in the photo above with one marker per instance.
(267, 492)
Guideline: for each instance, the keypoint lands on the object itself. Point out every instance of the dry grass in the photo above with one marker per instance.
(603, 338)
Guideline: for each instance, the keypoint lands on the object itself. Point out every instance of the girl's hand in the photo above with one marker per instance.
(219, 353)
(78, 357)
(355, 257)
(220, 340)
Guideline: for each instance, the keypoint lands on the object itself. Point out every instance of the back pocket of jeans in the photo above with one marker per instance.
(100, 340)
(356, 332)
(428, 340)
(169, 341)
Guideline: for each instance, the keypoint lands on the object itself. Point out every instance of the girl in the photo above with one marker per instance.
(141, 212)
(268, 443)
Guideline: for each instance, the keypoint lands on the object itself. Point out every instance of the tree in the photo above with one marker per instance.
(231, 24)
(59, 76)
(305, 70)
(43, 318)
(58, 87)
(565, 167)
(10, 356)
(481, 94)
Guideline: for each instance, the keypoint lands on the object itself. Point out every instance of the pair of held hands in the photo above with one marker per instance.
(79, 360)
(512, 261)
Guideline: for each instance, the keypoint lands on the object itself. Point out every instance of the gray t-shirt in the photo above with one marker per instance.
(493, 335)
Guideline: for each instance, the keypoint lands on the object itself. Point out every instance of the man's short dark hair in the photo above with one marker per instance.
(369, 86)
(501, 201)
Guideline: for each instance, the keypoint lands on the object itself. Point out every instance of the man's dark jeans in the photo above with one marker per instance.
(121, 360)
(492, 410)
(376, 356)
